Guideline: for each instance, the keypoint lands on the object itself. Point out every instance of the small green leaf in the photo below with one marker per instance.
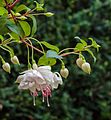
(34, 26)
(39, 6)
(3, 10)
(94, 44)
(83, 42)
(91, 53)
(26, 27)
(21, 8)
(53, 54)
(46, 61)
(52, 47)
(1, 37)
(79, 46)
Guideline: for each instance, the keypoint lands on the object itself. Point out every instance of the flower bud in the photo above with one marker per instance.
(64, 72)
(22, 18)
(6, 67)
(79, 62)
(34, 66)
(15, 60)
(17, 14)
(48, 14)
(86, 67)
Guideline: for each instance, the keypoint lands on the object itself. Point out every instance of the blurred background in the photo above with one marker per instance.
(82, 96)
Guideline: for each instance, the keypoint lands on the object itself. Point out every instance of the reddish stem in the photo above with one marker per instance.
(13, 4)
(31, 46)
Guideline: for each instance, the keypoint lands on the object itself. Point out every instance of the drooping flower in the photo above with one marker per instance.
(86, 67)
(64, 72)
(6, 67)
(79, 62)
(15, 60)
(40, 79)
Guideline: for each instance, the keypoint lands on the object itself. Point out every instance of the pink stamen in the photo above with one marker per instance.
(35, 93)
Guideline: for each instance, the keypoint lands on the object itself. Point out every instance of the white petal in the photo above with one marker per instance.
(19, 78)
(32, 89)
(31, 84)
(47, 75)
(58, 78)
(54, 85)
(44, 67)
(26, 71)
(23, 85)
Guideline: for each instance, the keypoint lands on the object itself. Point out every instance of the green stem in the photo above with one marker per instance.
(7, 51)
(66, 49)
(36, 14)
(3, 61)
(68, 53)
(28, 57)
(63, 65)
(33, 61)
(39, 43)
(10, 49)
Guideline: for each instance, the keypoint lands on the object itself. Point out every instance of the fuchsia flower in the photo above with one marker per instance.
(39, 79)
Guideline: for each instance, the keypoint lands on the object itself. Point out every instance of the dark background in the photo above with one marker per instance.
(82, 96)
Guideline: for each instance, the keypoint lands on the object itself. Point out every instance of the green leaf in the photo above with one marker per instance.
(21, 8)
(26, 27)
(46, 61)
(15, 36)
(39, 6)
(3, 10)
(94, 44)
(53, 54)
(1, 37)
(79, 46)
(83, 42)
(34, 26)
(14, 28)
(2, 3)
(91, 53)
(3, 27)
(52, 47)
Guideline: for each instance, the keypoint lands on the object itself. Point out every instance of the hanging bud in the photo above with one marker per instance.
(48, 14)
(79, 62)
(86, 67)
(15, 60)
(64, 72)
(6, 67)
(34, 66)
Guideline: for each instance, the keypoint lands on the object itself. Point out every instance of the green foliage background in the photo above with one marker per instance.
(82, 97)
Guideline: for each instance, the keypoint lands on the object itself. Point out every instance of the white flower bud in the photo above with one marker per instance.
(64, 72)
(6, 67)
(86, 67)
(79, 62)
(34, 66)
(15, 60)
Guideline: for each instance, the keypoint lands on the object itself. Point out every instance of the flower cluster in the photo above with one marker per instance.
(39, 79)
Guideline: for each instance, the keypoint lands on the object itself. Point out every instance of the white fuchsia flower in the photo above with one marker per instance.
(39, 79)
